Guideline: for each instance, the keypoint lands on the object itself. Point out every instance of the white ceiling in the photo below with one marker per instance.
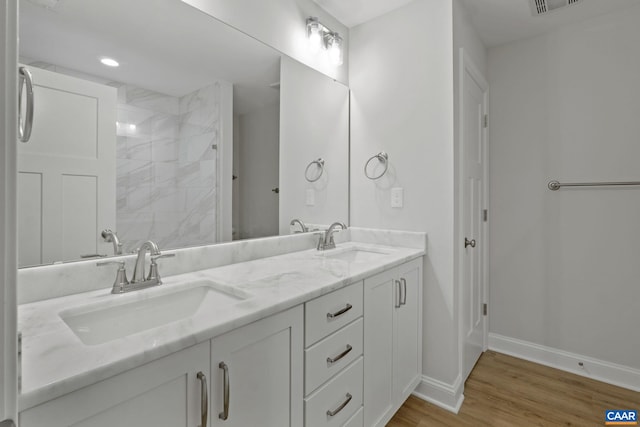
(497, 21)
(355, 12)
(162, 45)
(503, 21)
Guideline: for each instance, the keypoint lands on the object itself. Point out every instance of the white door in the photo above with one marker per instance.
(473, 149)
(66, 173)
(257, 370)
(380, 299)
(167, 392)
(407, 354)
(8, 264)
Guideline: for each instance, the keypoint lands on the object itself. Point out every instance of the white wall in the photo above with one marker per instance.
(280, 24)
(258, 152)
(314, 123)
(565, 265)
(401, 78)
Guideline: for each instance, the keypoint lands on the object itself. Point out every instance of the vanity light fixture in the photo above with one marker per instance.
(334, 47)
(320, 38)
(109, 62)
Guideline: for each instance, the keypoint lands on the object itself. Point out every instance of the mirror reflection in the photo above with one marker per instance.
(162, 126)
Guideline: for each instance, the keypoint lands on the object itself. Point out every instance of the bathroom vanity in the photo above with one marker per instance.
(308, 337)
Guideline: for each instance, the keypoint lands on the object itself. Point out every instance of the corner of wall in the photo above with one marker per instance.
(446, 396)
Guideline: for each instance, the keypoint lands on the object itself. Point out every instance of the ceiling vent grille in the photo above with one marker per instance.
(542, 7)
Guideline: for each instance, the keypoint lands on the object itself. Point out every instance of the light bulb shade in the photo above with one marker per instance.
(314, 35)
(334, 47)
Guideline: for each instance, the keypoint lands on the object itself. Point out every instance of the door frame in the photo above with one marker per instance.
(8, 223)
(466, 65)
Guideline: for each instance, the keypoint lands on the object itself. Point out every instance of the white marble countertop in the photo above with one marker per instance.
(56, 362)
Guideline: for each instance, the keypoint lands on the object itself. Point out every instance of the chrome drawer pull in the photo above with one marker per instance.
(403, 300)
(331, 361)
(204, 399)
(339, 313)
(226, 392)
(341, 407)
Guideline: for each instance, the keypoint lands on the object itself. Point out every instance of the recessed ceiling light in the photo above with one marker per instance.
(110, 62)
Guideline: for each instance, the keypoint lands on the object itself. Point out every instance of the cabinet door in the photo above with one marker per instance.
(263, 365)
(165, 392)
(407, 332)
(380, 295)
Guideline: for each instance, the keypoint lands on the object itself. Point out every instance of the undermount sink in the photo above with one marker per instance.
(97, 324)
(354, 254)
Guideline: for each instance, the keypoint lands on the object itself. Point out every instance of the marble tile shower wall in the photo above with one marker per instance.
(167, 166)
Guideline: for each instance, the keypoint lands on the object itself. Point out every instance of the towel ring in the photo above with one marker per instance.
(320, 164)
(383, 158)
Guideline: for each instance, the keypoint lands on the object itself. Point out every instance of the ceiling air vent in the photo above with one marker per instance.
(542, 7)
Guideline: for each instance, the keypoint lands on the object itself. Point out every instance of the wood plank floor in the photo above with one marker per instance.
(505, 391)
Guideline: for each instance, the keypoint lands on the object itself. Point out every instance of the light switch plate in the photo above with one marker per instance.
(397, 197)
(311, 197)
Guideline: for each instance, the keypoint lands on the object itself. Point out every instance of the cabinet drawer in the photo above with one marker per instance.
(357, 420)
(347, 342)
(342, 396)
(331, 312)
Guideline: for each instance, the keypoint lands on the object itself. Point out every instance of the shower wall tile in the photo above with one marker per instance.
(164, 150)
(167, 167)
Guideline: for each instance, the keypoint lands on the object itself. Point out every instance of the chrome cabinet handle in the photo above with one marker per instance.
(398, 294)
(331, 361)
(468, 242)
(341, 407)
(403, 300)
(204, 399)
(226, 392)
(25, 126)
(339, 313)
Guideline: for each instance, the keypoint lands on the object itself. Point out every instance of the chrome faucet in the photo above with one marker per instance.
(326, 241)
(303, 227)
(139, 280)
(111, 237)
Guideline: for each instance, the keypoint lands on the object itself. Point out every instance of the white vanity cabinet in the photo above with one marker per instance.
(166, 392)
(392, 340)
(257, 373)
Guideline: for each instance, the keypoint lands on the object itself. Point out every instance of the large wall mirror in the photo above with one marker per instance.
(187, 141)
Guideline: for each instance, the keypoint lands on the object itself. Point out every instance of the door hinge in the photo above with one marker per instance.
(486, 120)
(485, 215)
(484, 309)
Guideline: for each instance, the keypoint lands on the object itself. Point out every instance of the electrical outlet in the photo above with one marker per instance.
(397, 197)
(311, 197)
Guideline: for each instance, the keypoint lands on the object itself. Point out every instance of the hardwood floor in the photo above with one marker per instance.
(505, 391)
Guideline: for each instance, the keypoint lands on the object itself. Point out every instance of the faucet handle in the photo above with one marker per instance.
(121, 276)
(153, 268)
(155, 257)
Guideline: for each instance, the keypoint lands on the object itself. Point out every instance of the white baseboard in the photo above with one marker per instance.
(446, 396)
(611, 373)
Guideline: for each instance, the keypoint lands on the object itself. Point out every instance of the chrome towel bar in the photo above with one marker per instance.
(555, 185)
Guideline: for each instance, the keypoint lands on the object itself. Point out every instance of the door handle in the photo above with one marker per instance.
(403, 300)
(468, 243)
(226, 392)
(276, 190)
(204, 399)
(25, 126)
(398, 294)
